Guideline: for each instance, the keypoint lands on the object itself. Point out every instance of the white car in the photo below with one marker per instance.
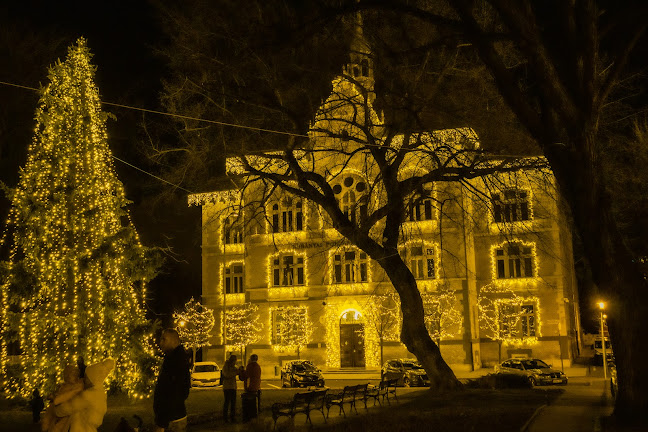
(205, 374)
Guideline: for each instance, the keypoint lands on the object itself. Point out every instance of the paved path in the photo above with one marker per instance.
(585, 400)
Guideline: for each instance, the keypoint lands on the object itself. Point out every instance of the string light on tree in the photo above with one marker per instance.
(443, 318)
(293, 329)
(194, 325)
(505, 316)
(75, 280)
(242, 326)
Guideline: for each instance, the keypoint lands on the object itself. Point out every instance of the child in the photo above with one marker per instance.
(72, 386)
(37, 405)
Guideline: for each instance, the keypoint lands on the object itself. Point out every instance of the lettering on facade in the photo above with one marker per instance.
(314, 245)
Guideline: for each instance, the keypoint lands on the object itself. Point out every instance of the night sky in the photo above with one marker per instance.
(122, 35)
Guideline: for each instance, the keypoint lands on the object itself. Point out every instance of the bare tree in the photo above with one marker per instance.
(277, 84)
(557, 65)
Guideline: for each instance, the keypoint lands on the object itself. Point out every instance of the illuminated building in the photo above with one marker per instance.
(504, 251)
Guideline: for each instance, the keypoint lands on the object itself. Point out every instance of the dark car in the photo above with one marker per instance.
(301, 373)
(536, 371)
(408, 372)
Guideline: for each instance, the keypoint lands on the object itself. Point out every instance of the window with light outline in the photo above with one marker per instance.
(233, 278)
(349, 266)
(287, 215)
(286, 316)
(511, 205)
(515, 260)
(287, 270)
(518, 320)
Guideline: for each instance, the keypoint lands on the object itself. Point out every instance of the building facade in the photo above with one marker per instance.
(492, 258)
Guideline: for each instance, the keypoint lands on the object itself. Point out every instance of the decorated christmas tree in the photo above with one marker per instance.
(74, 282)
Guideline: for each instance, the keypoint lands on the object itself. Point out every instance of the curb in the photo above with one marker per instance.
(526, 425)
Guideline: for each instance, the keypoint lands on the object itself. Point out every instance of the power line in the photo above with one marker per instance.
(113, 156)
(185, 117)
(151, 174)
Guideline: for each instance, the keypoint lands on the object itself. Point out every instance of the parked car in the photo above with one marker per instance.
(205, 374)
(409, 372)
(535, 370)
(301, 373)
(598, 350)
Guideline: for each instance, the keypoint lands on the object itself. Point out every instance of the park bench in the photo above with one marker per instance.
(349, 395)
(302, 403)
(382, 391)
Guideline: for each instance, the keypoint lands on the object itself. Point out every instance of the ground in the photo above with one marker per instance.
(497, 410)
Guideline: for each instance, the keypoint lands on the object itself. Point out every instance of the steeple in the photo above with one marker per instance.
(360, 66)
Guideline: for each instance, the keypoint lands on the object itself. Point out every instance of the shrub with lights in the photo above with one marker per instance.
(74, 284)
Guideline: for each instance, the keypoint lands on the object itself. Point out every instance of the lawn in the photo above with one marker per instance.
(419, 410)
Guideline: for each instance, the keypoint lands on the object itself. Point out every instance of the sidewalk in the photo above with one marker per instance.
(579, 409)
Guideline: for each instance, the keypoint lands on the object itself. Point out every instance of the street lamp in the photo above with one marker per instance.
(601, 306)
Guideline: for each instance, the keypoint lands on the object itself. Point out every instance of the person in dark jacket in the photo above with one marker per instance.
(173, 384)
(37, 405)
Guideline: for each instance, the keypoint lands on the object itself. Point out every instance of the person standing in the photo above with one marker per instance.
(229, 373)
(37, 405)
(252, 381)
(173, 384)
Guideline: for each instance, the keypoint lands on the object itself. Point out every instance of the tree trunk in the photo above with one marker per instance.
(382, 357)
(618, 277)
(414, 334)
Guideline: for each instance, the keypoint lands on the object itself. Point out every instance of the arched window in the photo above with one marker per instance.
(364, 65)
(232, 230)
(287, 215)
(351, 194)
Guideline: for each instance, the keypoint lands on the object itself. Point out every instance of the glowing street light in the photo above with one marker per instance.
(601, 306)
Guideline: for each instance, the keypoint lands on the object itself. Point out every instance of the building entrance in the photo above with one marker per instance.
(352, 349)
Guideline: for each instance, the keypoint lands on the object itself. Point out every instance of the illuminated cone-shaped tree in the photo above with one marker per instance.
(194, 325)
(242, 326)
(75, 280)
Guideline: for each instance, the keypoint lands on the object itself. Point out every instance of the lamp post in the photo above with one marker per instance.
(602, 308)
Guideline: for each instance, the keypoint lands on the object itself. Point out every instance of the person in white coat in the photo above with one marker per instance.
(87, 409)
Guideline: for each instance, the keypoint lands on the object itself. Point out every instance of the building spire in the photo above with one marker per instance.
(360, 66)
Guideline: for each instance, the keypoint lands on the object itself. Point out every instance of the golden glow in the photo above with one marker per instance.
(194, 324)
(601, 305)
(71, 234)
(514, 281)
(293, 330)
(280, 254)
(494, 303)
(443, 319)
(242, 325)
